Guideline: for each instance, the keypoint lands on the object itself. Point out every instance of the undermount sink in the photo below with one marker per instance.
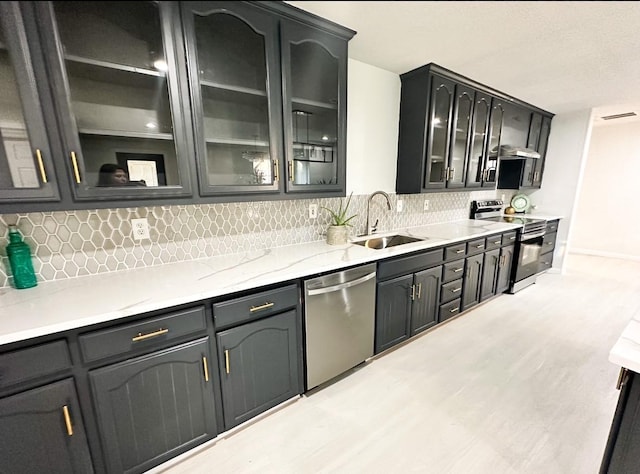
(387, 241)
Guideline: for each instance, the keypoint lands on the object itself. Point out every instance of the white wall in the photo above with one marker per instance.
(373, 111)
(566, 155)
(606, 220)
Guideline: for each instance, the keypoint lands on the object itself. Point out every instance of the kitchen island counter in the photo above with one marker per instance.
(63, 305)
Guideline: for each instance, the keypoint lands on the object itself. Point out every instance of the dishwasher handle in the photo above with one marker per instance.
(341, 286)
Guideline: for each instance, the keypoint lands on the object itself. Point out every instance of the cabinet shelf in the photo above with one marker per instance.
(111, 73)
(237, 141)
(114, 66)
(313, 103)
(232, 88)
(126, 134)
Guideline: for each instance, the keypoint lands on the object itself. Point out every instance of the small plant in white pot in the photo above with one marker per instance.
(338, 230)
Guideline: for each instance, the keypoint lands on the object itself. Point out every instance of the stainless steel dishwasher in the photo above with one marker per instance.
(339, 321)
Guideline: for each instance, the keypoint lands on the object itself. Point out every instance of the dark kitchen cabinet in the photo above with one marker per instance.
(515, 126)
(472, 280)
(505, 264)
(489, 274)
(41, 430)
(496, 269)
(153, 407)
(541, 147)
(258, 366)
(436, 169)
(407, 297)
(623, 445)
(314, 87)
(490, 167)
(477, 162)
(26, 166)
(113, 70)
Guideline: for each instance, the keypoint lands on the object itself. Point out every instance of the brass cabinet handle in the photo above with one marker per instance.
(206, 369)
(419, 290)
(291, 175)
(456, 290)
(413, 292)
(623, 378)
(142, 337)
(67, 420)
(460, 251)
(454, 310)
(253, 309)
(549, 243)
(76, 170)
(452, 172)
(535, 176)
(481, 246)
(497, 242)
(43, 173)
(445, 174)
(275, 171)
(226, 360)
(458, 270)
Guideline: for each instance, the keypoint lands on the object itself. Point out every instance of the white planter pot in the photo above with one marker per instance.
(337, 234)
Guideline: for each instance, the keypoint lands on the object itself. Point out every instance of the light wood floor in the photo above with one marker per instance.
(519, 385)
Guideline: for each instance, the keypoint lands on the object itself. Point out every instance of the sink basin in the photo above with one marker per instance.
(387, 241)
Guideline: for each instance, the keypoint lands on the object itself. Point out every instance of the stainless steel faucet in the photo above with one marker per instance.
(372, 228)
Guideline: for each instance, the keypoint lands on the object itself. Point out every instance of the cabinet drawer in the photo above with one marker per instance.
(451, 291)
(255, 306)
(476, 246)
(33, 362)
(449, 310)
(548, 242)
(142, 334)
(410, 264)
(509, 238)
(455, 251)
(494, 242)
(552, 226)
(452, 270)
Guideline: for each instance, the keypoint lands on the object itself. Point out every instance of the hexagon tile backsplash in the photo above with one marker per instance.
(69, 244)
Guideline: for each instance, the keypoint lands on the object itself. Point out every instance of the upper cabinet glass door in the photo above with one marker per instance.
(481, 110)
(314, 87)
(460, 136)
(115, 79)
(436, 168)
(26, 169)
(490, 166)
(235, 96)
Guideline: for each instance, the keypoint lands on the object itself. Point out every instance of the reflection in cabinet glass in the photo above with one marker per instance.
(26, 171)
(232, 70)
(120, 108)
(481, 111)
(489, 170)
(442, 102)
(460, 137)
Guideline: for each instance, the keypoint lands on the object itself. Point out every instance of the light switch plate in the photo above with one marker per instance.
(426, 205)
(399, 205)
(313, 211)
(140, 228)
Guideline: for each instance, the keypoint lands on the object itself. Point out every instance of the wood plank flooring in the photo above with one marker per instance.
(519, 385)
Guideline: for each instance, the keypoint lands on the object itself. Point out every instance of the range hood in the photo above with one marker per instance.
(513, 152)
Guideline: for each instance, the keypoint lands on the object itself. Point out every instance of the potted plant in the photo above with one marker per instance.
(338, 232)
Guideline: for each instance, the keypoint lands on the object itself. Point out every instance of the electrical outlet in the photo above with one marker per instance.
(313, 211)
(426, 205)
(140, 228)
(399, 205)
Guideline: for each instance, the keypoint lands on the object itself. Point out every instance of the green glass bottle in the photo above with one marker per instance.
(19, 255)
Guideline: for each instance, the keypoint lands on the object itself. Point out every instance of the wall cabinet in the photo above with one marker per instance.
(260, 95)
(407, 297)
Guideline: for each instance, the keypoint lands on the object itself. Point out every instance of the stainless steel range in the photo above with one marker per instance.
(528, 246)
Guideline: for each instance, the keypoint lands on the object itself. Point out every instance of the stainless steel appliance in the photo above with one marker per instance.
(528, 245)
(339, 320)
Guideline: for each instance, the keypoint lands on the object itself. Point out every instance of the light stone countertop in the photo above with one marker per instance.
(626, 352)
(72, 303)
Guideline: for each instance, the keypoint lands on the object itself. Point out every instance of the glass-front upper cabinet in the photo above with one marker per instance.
(460, 137)
(235, 96)
(440, 112)
(477, 149)
(314, 66)
(490, 165)
(114, 73)
(26, 169)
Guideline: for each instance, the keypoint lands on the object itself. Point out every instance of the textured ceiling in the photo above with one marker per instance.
(560, 56)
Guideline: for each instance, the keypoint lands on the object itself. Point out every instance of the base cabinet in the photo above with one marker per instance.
(41, 430)
(504, 268)
(472, 279)
(258, 366)
(393, 312)
(153, 407)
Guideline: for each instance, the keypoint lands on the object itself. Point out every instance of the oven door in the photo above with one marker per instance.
(529, 249)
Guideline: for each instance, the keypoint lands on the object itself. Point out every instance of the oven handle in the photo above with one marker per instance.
(525, 237)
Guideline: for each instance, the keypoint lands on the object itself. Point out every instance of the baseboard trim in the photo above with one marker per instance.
(599, 253)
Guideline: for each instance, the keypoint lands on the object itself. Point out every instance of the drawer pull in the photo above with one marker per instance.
(481, 246)
(226, 360)
(142, 337)
(549, 243)
(460, 251)
(454, 310)
(206, 369)
(497, 242)
(456, 290)
(67, 420)
(253, 309)
(43, 173)
(512, 237)
(458, 270)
